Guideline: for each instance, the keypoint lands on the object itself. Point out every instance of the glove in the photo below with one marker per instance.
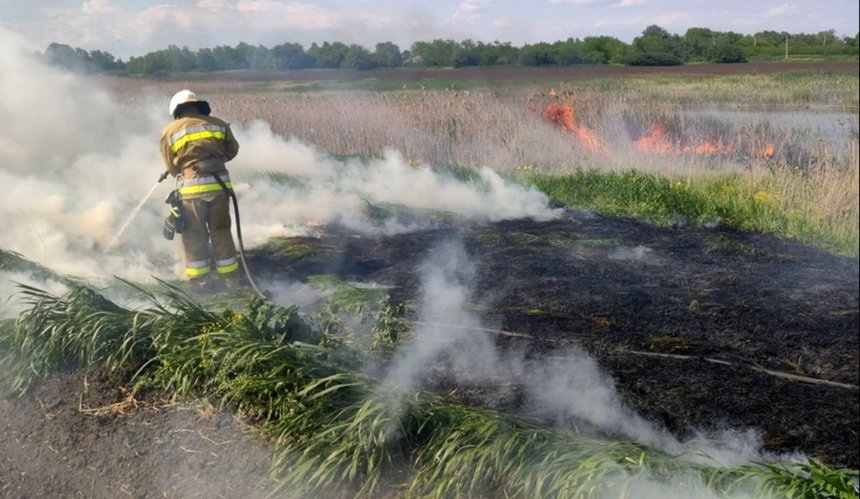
(175, 222)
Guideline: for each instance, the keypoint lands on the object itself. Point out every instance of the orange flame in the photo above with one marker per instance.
(657, 141)
(767, 151)
(563, 116)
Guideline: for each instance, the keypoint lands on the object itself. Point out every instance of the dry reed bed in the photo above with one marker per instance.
(504, 127)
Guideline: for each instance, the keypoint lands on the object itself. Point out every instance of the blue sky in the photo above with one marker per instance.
(134, 27)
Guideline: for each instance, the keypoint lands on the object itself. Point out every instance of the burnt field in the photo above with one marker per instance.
(434, 261)
(686, 320)
(700, 329)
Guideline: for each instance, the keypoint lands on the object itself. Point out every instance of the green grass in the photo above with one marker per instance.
(11, 261)
(339, 430)
(733, 200)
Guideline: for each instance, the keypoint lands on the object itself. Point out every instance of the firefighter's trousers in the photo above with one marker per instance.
(207, 225)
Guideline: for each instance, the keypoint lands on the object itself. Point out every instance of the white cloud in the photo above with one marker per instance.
(783, 9)
(214, 4)
(667, 20)
(98, 7)
(125, 27)
(574, 2)
(470, 10)
(628, 3)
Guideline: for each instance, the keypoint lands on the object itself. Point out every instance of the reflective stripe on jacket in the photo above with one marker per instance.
(203, 184)
(197, 138)
(192, 133)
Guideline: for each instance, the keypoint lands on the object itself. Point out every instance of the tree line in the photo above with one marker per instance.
(654, 47)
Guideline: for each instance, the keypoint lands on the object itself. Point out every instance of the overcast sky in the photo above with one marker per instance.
(134, 27)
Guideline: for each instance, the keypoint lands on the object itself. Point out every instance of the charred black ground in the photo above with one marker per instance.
(619, 288)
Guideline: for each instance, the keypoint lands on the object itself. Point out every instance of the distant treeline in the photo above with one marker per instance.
(655, 47)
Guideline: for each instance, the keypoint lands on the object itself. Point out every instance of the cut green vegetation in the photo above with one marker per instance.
(339, 429)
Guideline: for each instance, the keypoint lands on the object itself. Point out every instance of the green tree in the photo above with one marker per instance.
(227, 58)
(657, 47)
(538, 54)
(206, 60)
(568, 52)
(287, 56)
(104, 61)
(466, 54)
(497, 53)
(387, 55)
(73, 59)
(328, 55)
(725, 52)
(358, 57)
(436, 53)
(251, 56)
(603, 49)
(699, 41)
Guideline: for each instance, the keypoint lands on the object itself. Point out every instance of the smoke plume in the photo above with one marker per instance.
(568, 388)
(76, 161)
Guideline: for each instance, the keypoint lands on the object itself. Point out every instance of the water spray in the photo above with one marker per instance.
(134, 212)
(229, 193)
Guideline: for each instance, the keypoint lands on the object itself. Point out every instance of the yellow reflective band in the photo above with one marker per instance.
(194, 129)
(196, 271)
(226, 269)
(199, 189)
(205, 134)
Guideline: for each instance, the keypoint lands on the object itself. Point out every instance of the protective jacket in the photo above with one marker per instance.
(196, 138)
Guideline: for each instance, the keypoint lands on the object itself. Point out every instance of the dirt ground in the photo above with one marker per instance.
(79, 435)
(662, 310)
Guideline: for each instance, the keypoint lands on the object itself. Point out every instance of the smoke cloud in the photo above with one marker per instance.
(75, 164)
(568, 388)
(74, 167)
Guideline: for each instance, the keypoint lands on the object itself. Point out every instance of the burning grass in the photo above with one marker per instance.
(771, 152)
(338, 428)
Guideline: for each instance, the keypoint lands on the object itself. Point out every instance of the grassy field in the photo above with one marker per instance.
(786, 161)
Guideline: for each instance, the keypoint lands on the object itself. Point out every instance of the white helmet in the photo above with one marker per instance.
(181, 97)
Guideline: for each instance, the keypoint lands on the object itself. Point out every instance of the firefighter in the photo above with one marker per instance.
(196, 147)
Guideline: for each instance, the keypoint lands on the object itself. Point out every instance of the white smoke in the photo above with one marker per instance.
(70, 164)
(639, 253)
(75, 163)
(445, 328)
(566, 388)
(335, 190)
(11, 302)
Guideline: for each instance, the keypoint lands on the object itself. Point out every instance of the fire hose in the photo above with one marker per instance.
(232, 195)
(174, 224)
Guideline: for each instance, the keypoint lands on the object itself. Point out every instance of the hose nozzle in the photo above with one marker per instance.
(163, 176)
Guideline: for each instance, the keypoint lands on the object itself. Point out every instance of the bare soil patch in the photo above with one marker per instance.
(80, 435)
